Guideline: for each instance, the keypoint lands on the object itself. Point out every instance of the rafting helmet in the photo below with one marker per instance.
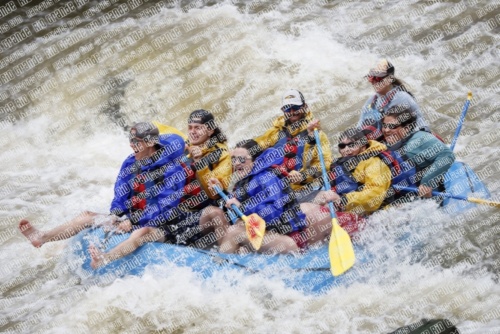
(146, 131)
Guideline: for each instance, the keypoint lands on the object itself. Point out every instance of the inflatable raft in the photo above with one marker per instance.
(460, 180)
(308, 272)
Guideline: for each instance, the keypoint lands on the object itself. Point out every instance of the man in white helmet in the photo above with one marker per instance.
(293, 134)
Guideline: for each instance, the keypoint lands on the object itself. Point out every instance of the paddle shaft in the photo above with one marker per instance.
(463, 198)
(461, 121)
(324, 173)
(340, 249)
(242, 215)
(434, 193)
(225, 198)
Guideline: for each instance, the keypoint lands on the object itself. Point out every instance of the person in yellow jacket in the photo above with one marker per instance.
(207, 157)
(293, 135)
(360, 179)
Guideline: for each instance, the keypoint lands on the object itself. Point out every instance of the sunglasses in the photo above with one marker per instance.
(350, 145)
(135, 141)
(241, 160)
(375, 79)
(292, 108)
(391, 126)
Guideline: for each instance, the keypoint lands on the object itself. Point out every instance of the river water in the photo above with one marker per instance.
(75, 73)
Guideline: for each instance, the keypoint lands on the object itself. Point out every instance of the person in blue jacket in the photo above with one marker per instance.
(389, 91)
(431, 157)
(143, 195)
(259, 189)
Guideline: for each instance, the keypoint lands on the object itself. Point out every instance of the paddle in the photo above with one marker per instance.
(463, 198)
(461, 121)
(255, 226)
(340, 248)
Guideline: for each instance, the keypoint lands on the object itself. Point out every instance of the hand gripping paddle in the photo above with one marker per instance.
(255, 226)
(340, 248)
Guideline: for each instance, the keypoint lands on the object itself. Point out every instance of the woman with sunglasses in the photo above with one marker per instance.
(202, 220)
(143, 196)
(257, 189)
(360, 179)
(389, 91)
(292, 135)
(429, 155)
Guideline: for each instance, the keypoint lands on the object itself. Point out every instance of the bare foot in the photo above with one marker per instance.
(32, 234)
(97, 257)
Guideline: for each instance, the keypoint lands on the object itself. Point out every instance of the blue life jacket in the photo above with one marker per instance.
(399, 153)
(263, 192)
(409, 175)
(144, 190)
(402, 170)
(342, 181)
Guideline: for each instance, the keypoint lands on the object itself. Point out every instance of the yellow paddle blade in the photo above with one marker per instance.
(255, 227)
(168, 129)
(340, 250)
(483, 201)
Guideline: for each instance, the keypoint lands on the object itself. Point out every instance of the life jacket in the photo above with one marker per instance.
(398, 148)
(138, 187)
(402, 174)
(193, 188)
(144, 190)
(293, 148)
(341, 179)
(290, 220)
(343, 182)
(385, 101)
(438, 137)
(142, 183)
(410, 170)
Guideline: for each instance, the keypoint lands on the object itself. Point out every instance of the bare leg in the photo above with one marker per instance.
(234, 239)
(319, 222)
(214, 220)
(275, 243)
(61, 232)
(137, 239)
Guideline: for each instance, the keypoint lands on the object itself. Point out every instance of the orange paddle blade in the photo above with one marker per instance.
(255, 227)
